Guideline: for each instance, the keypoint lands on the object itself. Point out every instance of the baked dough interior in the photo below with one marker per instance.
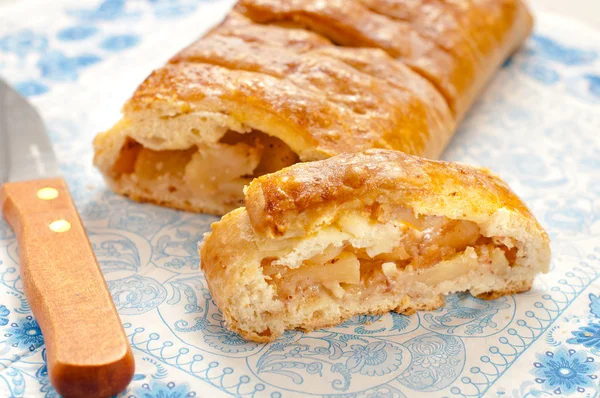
(364, 260)
(366, 233)
(219, 169)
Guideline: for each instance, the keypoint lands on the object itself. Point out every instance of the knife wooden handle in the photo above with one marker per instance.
(87, 350)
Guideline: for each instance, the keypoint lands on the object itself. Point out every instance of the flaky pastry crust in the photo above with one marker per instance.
(283, 81)
(366, 233)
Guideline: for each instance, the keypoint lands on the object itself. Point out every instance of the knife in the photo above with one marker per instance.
(87, 350)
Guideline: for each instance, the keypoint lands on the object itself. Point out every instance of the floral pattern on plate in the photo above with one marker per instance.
(536, 125)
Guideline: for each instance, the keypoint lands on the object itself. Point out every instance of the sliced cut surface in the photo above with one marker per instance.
(217, 170)
(363, 258)
(367, 233)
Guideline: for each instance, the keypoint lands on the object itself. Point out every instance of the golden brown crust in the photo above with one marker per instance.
(426, 35)
(350, 24)
(454, 24)
(286, 201)
(404, 76)
(290, 209)
(374, 62)
(310, 61)
(380, 65)
(376, 113)
(324, 125)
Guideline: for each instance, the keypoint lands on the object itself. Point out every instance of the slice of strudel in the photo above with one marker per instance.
(366, 233)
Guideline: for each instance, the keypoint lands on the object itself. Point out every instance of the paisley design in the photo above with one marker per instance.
(437, 361)
(176, 246)
(340, 358)
(200, 324)
(468, 316)
(136, 294)
(536, 125)
(226, 341)
(372, 359)
(118, 250)
(379, 325)
(145, 220)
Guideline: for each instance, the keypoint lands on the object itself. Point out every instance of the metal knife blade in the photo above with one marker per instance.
(25, 148)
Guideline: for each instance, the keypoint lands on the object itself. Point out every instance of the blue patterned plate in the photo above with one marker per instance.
(537, 125)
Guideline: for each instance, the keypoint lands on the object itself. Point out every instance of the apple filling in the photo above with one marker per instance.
(219, 169)
(356, 258)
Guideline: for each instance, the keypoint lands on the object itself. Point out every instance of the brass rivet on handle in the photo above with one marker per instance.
(60, 226)
(47, 193)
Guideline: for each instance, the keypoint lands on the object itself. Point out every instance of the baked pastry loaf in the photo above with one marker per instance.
(283, 81)
(366, 233)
